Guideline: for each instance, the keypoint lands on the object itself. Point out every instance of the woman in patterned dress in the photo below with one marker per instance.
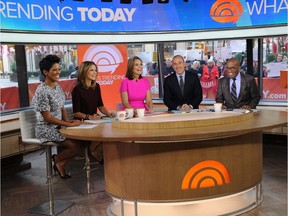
(49, 101)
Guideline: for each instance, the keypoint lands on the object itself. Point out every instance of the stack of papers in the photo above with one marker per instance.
(106, 120)
(83, 126)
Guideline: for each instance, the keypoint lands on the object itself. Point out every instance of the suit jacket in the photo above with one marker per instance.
(249, 93)
(192, 94)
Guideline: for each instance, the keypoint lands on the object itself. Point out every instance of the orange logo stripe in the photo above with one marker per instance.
(206, 174)
(226, 11)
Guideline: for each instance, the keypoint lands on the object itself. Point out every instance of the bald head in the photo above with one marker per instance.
(233, 67)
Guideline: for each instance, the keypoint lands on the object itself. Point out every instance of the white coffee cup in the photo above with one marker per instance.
(140, 112)
(122, 115)
(218, 107)
(130, 112)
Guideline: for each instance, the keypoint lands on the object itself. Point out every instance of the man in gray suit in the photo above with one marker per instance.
(237, 90)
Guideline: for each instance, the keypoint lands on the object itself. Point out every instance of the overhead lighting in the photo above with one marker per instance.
(147, 1)
(125, 1)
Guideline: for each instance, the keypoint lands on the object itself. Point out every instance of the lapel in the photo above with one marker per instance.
(228, 88)
(242, 86)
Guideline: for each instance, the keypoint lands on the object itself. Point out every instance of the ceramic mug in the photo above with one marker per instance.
(130, 112)
(218, 107)
(140, 112)
(122, 115)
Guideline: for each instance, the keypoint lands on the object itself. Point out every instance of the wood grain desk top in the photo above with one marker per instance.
(262, 120)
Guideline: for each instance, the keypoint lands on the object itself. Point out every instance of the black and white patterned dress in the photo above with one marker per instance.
(52, 100)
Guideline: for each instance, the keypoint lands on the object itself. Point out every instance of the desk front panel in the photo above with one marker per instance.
(155, 171)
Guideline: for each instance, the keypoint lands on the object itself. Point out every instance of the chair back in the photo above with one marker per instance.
(70, 114)
(27, 119)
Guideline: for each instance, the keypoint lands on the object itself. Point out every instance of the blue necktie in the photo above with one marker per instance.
(233, 91)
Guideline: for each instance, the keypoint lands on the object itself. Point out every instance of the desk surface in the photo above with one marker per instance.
(262, 120)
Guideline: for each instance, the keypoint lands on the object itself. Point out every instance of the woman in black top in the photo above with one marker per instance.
(86, 100)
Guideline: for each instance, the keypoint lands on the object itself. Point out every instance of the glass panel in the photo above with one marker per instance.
(68, 56)
(8, 75)
(275, 61)
(196, 55)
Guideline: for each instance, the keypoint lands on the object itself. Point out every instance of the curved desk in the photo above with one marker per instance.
(168, 163)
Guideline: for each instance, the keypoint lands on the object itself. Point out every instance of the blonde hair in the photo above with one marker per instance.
(83, 71)
(210, 61)
(195, 64)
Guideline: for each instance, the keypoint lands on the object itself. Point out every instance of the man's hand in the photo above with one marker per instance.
(246, 107)
(185, 107)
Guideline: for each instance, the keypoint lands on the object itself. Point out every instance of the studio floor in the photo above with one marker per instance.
(22, 190)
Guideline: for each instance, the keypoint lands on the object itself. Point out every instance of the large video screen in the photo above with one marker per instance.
(114, 16)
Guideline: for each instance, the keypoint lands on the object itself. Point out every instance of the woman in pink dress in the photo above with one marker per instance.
(135, 89)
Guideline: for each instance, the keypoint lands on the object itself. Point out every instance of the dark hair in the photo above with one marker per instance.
(47, 63)
(129, 71)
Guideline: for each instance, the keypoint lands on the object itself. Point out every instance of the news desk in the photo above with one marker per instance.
(178, 163)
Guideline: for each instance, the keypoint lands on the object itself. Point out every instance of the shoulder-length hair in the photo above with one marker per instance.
(83, 71)
(129, 71)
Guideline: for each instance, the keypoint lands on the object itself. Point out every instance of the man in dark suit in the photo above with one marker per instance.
(246, 94)
(182, 89)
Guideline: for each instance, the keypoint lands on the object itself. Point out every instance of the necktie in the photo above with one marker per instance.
(181, 84)
(233, 91)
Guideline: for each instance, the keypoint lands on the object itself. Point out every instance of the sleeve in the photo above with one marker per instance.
(255, 95)
(197, 92)
(100, 101)
(148, 87)
(124, 86)
(76, 99)
(219, 96)
(205, 74)
(41, 101)
(167, 97)
(214, 73)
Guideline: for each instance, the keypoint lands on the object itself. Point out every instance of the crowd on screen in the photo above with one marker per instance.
(196, 66)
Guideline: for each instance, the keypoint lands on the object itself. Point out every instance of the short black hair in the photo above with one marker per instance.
(47, 63)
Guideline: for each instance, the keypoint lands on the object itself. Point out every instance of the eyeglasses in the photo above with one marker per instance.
(231, 68)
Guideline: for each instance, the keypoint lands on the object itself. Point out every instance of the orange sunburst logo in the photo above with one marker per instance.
(225, 11)
(205, 174)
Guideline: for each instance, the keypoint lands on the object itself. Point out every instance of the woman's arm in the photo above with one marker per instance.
(124, 100)
(106, 112)
(64, 114)
(149, 102)
(51, 120)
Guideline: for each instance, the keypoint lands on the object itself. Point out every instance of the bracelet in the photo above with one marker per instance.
(87, 117)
